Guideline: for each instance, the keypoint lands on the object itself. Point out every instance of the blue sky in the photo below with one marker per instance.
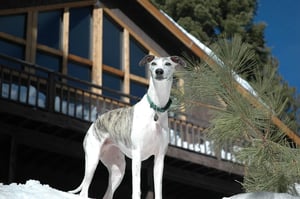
(282, 35)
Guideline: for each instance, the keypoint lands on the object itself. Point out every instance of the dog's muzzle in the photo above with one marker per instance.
(159, 74)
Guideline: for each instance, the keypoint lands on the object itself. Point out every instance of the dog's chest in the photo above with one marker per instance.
(146, 132)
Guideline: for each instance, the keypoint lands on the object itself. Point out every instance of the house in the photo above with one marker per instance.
(64, 62)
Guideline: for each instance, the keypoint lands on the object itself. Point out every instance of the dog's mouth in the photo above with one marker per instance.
(159, 77)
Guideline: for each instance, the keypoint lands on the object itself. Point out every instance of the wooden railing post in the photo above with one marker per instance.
(51, 92)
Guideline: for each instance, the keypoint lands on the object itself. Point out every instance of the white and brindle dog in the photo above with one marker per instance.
(138, 132)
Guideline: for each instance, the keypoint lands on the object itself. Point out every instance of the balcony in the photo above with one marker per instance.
(51, 111)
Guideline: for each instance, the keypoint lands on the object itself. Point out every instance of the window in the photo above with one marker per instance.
(49, 28)
(14, 25)
(48, 61)
(81, 72)
(112, 43)
(13, 50)
(137, 52)
(112, 82)
(137, 89)
(80, 31)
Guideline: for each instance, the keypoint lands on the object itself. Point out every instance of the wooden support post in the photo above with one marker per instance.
(65, 40)
(51, 92)
(126, 63)
(150, 182)
(31, 38)
(12, 161)
(97, 47)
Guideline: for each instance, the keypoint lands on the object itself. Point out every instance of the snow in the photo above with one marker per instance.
(268, 195)
(20, 92)
(263, 195)
(36, 98)
(206, 147)
(33, 189)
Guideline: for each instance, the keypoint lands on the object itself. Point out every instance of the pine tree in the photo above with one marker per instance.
(211, 20)
(272, 161)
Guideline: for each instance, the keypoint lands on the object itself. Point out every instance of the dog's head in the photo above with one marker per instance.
(162, 68)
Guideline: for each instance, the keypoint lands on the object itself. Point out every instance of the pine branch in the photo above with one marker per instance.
(270, 161)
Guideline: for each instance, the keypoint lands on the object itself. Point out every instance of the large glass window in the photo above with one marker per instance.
(80, 31)
(13, 24)
(81, 72)
(112, 82)
(49, 61)
(112, 43)
(49, 28)
(137, 52)
(137, 89)
(13, 50)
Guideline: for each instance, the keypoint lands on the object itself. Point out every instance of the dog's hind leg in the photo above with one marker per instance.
(92, 147)
(114, 160)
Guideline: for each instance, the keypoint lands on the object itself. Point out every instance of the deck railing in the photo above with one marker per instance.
(39, 87)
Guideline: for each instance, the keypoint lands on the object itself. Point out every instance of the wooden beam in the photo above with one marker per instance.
(113, 70)
(49, 50)
(79, 59)
(12, 38)
(48, 7)
(65, 40)
(97, 55)
(126, 63)
(12, 160)
(28, 36)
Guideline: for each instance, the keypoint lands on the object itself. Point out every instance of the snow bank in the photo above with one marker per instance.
(268, 195)
(263, 195)
(33, 189)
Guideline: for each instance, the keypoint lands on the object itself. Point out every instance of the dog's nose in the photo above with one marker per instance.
(159, 71)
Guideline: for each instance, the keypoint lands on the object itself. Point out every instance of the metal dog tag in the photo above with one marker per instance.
(155, 117)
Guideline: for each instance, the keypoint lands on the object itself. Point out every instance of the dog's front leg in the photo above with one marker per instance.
(158, 174)
(136, 175)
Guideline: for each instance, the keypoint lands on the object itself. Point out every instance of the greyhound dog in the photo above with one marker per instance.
(138, 132)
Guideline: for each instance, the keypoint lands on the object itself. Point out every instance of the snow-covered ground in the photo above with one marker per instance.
(263, 195)
(33, 189)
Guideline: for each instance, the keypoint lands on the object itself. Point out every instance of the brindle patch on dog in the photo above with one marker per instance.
(117, 123)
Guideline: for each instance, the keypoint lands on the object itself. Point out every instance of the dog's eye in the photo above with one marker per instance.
(168, 64)
(153, 64)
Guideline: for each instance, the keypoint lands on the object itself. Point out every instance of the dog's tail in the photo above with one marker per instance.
(77, 189)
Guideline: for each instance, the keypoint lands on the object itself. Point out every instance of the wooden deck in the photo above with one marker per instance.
(51, 112)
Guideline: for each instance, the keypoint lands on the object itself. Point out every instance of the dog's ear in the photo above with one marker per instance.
(146, 60)
(178, 60)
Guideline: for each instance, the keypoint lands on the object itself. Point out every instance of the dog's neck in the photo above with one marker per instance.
(159, 91)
